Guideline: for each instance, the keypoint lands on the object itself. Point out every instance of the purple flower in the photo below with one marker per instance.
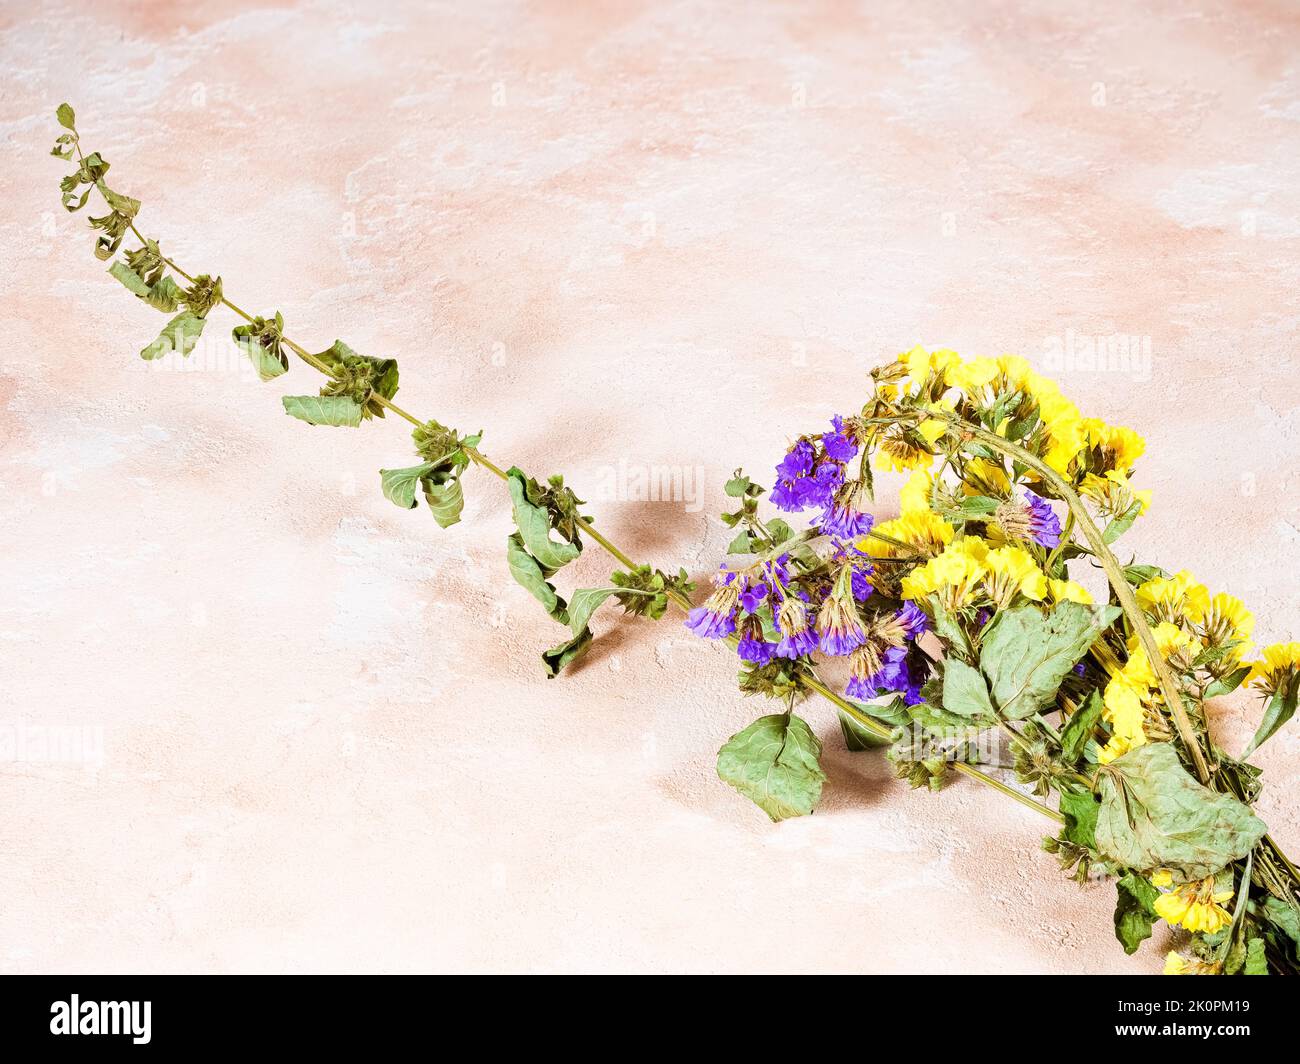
(912, 620)
(1044, 525)
(784, 497)
(755, 649)
(844, 521)
(838, 444)
(860, 585)
(819, 489)
(891, 674)
(752, 596)
(839, 628)
(716, 619)
(710, 624)
(797, 635)
(798, 461)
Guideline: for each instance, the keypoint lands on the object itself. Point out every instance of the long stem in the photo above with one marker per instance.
(681, 600)
(1114, 573)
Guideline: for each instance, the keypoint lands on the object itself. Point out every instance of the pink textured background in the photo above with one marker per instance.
(672, 233)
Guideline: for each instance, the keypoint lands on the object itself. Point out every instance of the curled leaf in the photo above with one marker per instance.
(336, 410)
(260, 340)
(179, 334)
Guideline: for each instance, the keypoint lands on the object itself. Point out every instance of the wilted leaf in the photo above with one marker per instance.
(179, 334)
(1281, 708)
(446, 499)
(336, 410)
(1154, 815)
(964, 690)
(530, 576)
(66, 116)
(1026, 655)
(534, 526)
(1079, 728)
(1135, 912)
(565, 654)
(399, 484)
(129, 278)
(774, 763)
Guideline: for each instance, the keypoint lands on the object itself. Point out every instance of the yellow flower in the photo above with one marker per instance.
(983, 477)
(915, 494)
(923, 530)
(1113, 493)
(1118, 448)
(953, 574)
(922, 363)
(1162, 877)
(1122, 709)
(1069, 591)
(1228, 620)
(973, 375)
(1176, 598)
(1012, 570)
(1195, 906)
(1277, 667)
(1061, 418)
(931, 429)
(1177, 964)
(1015, 369)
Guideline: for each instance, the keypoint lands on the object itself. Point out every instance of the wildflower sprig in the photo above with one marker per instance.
(952, 622)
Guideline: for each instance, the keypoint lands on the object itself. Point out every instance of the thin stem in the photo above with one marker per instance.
(1114, 572)
(681, 600)
(884, 732)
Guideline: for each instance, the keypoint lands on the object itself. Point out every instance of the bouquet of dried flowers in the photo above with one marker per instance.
(946, 635)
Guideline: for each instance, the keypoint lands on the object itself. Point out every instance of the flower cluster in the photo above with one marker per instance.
(961, 614)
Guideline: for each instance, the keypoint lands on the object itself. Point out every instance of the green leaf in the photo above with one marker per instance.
(977, 505)
(585, 602)
(530, 576)
(774, 763)
(66, 116)
(1140, 574)
(1228, 684)
(742, 544)
(446, 499)
(130, 278)
(857, 737)
(399, 484)
(779, 530)
(560, 657)
(260, 339)
(737, 486)
(1079, 728)
(1080, 809)
(337, 410)
(360, 377)
(1285, 918)
(1135, 912)
(1154, 815)
(534, 526)
(164, 295)
(179, 334)
(1281, 708)
(964, 690)
(1256, 961)
(1026, 655)
(266, 363)
(1121, 524)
